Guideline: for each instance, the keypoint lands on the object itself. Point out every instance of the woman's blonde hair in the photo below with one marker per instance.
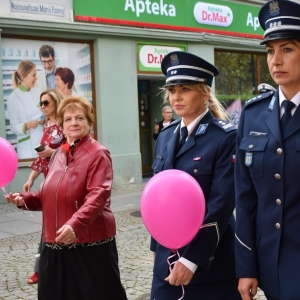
(24, 68)
(73, 103)
(55, 95)
(213, 103)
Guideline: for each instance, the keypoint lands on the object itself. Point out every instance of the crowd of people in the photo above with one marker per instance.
(252, 169)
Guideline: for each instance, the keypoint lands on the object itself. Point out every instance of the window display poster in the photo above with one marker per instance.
(23, 106)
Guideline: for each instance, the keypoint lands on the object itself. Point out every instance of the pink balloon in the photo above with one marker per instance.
(8, 162)
(173, 208)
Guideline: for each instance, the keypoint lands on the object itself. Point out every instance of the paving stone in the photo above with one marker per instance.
(135, 259)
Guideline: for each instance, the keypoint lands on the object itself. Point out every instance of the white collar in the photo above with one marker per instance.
(295, 99)
(193, 124)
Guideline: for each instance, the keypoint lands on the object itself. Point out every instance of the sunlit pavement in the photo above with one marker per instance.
(20, 234)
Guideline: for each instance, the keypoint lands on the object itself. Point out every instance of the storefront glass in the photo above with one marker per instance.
(240, 74)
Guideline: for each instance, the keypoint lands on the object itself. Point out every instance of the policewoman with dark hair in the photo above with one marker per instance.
(201, 143)
(267, 166)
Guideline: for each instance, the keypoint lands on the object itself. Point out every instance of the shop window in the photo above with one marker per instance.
(240, 74)
(76, 58)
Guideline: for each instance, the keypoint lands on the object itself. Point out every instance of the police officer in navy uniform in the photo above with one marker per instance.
(267, 174)
(201, 143)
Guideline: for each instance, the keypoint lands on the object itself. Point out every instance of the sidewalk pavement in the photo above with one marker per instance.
(20, 234)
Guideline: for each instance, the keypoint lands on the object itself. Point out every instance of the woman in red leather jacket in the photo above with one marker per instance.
(80, 260)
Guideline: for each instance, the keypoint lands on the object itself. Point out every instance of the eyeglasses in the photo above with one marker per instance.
(49, 62)
(167, 112)
(45, 103)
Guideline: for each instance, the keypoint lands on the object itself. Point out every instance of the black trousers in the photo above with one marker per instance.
(270, 298)
(221, 290)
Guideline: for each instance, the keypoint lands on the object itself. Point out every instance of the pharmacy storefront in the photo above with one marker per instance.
(115, 48)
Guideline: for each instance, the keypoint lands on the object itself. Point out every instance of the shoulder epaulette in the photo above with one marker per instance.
(224, 125)
(172, 124)
(259, 98)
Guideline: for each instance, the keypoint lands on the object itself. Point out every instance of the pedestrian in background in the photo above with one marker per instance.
(267, 166)
(80, 258)
(201, 143)
(167, 119)
(52, 138)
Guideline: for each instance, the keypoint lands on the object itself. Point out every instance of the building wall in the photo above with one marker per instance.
(115, 77)
(117, 110)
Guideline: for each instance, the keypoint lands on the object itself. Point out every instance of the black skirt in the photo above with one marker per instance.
(80, 273)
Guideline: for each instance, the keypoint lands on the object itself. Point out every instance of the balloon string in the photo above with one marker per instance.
(3, 189)
(170, 264)
(170, 269)
(5, 194)
(35, 219)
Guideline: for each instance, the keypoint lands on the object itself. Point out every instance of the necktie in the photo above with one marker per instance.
(286, 117)
(184, 134)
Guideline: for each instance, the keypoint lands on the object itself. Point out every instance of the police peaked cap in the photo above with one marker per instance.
(280, 19)
(186, 68)
(264, 87)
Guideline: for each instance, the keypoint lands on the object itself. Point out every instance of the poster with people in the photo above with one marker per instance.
(28, 68)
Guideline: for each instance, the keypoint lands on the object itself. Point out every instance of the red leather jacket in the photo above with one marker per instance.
(77, 192)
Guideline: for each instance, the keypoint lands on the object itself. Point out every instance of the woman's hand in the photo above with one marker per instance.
(180, 275)
(32, 177)
(32, 125)
(27, 186)
(65, 235)
(248, 288)
(46, 153)
(15, 199)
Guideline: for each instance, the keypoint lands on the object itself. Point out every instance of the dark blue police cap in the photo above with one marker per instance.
(280, 19)
(186, 68)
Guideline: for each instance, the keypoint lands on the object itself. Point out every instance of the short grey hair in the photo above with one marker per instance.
(165, 108)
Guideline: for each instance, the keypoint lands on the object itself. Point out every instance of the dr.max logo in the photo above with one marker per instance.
(152, 56)
(212, 14)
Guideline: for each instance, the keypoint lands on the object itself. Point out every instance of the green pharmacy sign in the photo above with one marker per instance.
(215, 16)
(151, 54)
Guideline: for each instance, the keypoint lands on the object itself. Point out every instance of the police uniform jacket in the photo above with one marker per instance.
(268, 198)
(206, 156)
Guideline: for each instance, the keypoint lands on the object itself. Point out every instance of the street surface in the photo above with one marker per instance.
(20, 235)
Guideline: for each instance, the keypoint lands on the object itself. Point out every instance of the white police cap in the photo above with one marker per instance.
(264, 87)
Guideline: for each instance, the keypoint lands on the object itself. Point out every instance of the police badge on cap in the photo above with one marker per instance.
(280, 19)
(186, 68)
